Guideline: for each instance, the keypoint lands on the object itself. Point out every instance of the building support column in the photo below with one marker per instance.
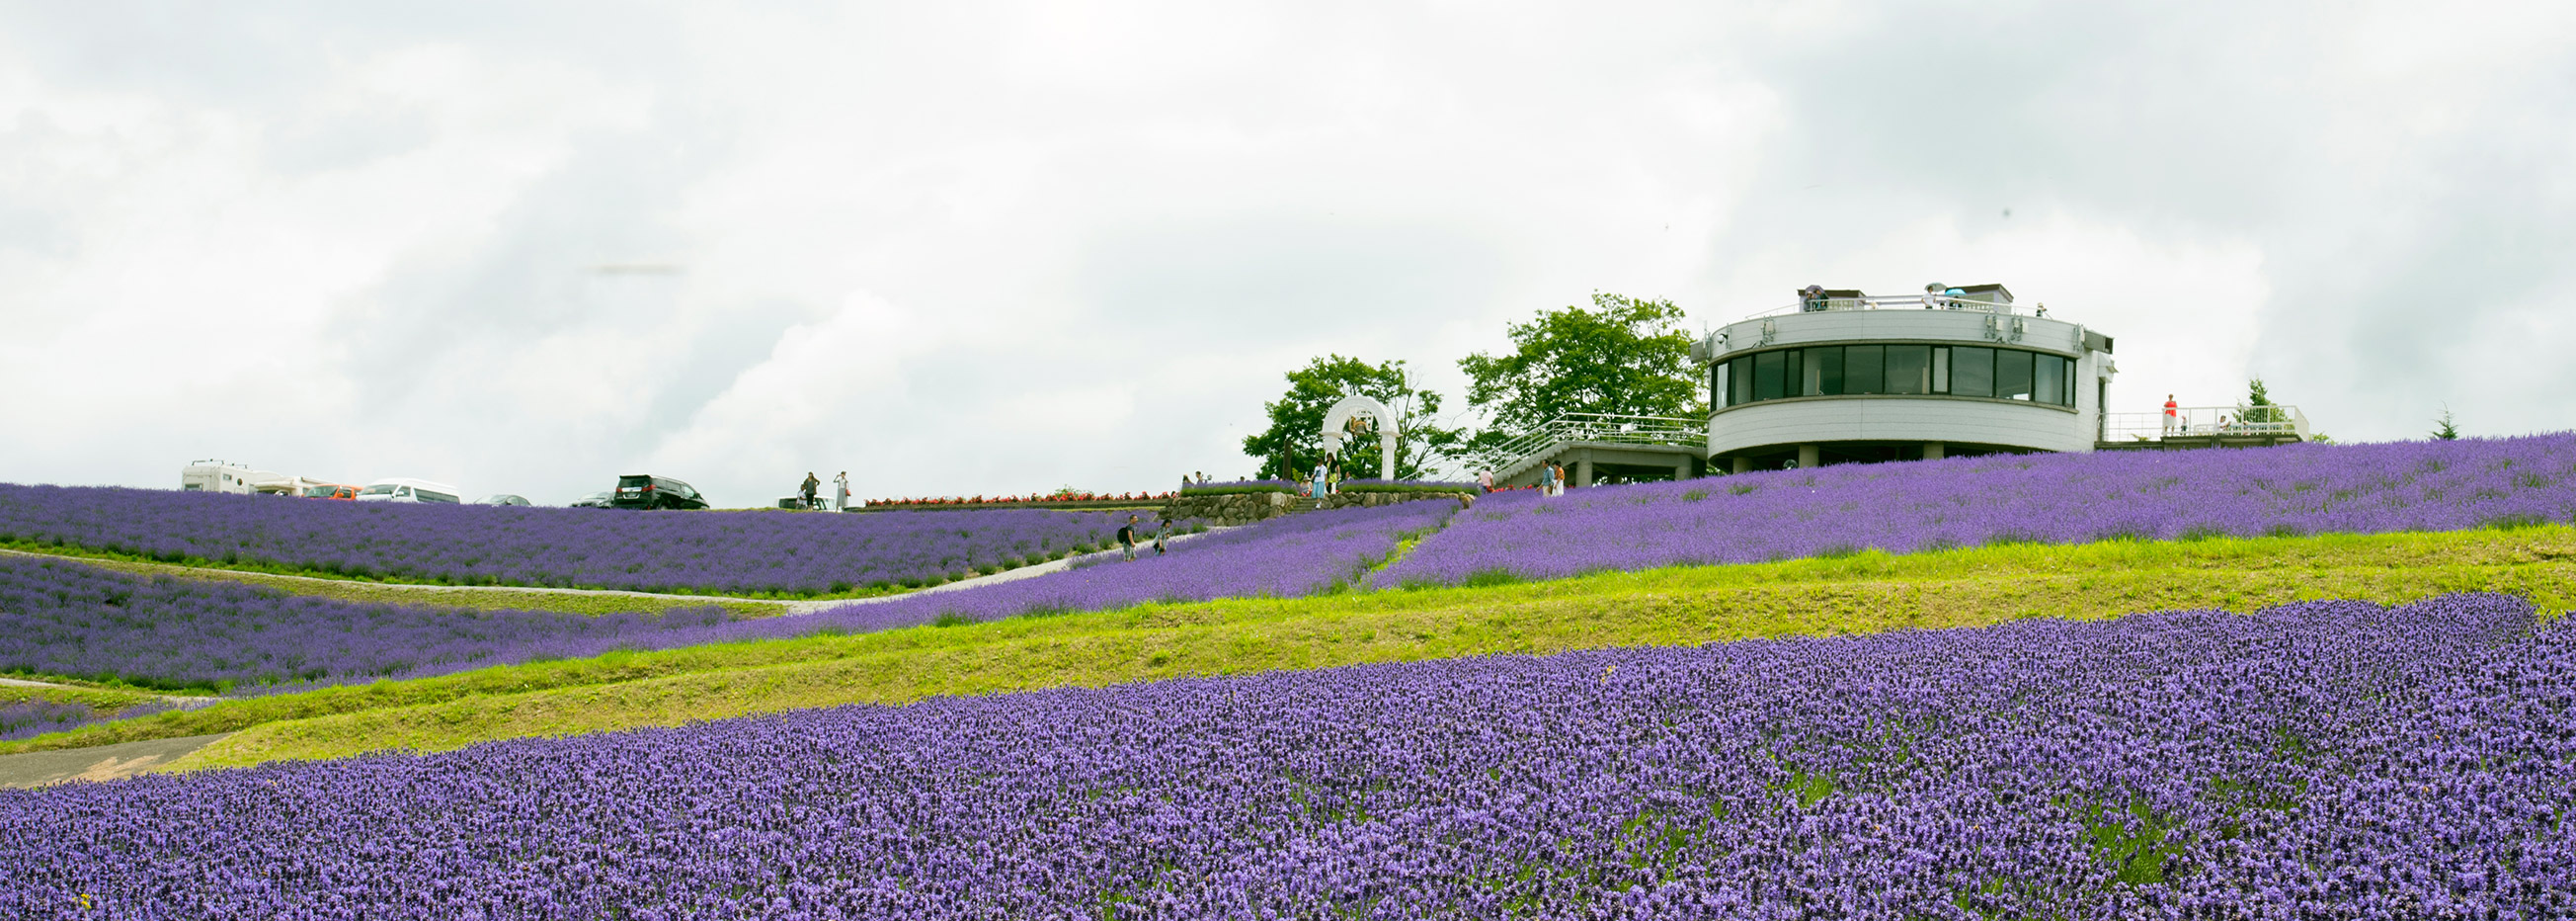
(1742, 464)
(1583, 469)
(1932, 450)
(1809, 457)
(1681, 470)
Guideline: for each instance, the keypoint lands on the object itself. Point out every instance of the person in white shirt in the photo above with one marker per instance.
(1932, 297)
(841, 492)
(1485, 480)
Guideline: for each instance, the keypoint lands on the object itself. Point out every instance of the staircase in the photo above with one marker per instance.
(1304, 504)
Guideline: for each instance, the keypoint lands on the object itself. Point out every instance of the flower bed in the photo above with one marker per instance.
(1284, 557)
(62, 618)
(2323, 760)
(2050, 498)
(737, 553)
(1057, 499)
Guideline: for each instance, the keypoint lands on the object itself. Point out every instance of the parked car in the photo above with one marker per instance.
(594, 500)
(406, 489)
(341, 491)
(501, 499)
(644, 490)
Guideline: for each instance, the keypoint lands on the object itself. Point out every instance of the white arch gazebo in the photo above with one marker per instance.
(1338, 418)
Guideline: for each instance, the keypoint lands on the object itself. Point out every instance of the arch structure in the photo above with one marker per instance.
(1339, 417)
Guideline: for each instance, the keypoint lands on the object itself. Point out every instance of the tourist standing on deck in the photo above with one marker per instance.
(2173, 416)
(841, 492)
(808, 488)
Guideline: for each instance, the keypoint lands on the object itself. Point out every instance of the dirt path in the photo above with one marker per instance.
(105, 762)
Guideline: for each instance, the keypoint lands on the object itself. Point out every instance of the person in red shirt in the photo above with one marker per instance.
(2173, 417)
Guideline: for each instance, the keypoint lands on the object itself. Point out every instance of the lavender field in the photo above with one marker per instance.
(1967, 502)
(65, 619)
(1286, 557)
(61, 618)
(734, 553)
(2321, 760)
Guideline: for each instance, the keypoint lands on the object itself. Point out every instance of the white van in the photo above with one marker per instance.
(406, 489)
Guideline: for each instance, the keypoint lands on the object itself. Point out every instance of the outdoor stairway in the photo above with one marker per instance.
(1303, 504)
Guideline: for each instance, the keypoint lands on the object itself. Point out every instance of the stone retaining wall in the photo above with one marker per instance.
(1246, 508)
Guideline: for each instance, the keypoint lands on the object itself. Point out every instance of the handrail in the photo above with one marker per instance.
(1609, 427)
(2206, 421)
(1888, 302)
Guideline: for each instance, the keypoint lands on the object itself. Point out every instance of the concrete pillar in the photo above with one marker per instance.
(1681, 469)
(1583, 469)
(1743, 464)
(1932, 450)
(1809, 457)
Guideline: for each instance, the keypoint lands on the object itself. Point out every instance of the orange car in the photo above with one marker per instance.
(338, 491)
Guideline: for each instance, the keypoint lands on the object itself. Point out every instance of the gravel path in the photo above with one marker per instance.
(105, 762)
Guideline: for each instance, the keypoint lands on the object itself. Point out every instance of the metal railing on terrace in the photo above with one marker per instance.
(1893, 302)
(2206, 422)
(1600, 427)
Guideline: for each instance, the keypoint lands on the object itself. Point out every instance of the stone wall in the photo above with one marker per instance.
(1375, 499)
(1239, 508)
(1246, 508)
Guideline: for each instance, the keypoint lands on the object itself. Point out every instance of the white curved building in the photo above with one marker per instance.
(1848, 378)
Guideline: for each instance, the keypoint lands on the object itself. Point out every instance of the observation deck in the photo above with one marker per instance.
(1843, 376)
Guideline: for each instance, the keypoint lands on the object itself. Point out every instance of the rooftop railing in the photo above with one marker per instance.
(1893, 302)
(2206, 422)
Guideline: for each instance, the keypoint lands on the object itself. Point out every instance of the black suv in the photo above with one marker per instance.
(643, 490)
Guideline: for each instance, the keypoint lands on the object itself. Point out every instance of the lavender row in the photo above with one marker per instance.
(717, 552)
(1286, 557)
(64, 618)
(2051, 498)
(2324, 760)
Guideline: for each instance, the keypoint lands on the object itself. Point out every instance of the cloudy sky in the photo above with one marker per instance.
(956, 247)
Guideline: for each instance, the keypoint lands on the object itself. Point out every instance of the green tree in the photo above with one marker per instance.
(1295, 439)
(2448, 431)
(1623, 356)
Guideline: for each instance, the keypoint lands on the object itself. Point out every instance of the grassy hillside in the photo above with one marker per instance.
(1858, 593)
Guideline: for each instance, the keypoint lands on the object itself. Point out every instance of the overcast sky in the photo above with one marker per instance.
(960, 248)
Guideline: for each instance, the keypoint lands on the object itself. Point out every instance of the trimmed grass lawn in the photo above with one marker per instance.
(1861, 593)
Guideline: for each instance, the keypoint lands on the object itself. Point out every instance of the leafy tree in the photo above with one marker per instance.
(2448, 431)
(1295, 438)
(1624, 356)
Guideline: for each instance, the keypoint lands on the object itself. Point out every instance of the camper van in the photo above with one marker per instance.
(225, 477)
(406, 489)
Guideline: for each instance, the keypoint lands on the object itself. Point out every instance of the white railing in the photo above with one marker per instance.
(1889, 302)
(1597, 427)
(2207, 421)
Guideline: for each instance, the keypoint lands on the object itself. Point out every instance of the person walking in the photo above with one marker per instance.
(1560, 477)
(1485, 480)
(2173, 416)
(841, 492)
(1127, 538)
(1320, 486)
(1546, 480)
(1162, 534)
(808, 488)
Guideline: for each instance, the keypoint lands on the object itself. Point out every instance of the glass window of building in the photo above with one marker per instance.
(1740, 376)
(1972, 371)
(2051, 386)
(1825, 371)
(1767, 381)
(1864, 369)
(1940, 369)
(2013, 374)
(1909, 369)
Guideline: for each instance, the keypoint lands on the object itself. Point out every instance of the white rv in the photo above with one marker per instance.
(225, 477)
(406, 489)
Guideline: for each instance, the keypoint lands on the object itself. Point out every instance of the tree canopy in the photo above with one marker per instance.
(1295, 440)
(1623, 356)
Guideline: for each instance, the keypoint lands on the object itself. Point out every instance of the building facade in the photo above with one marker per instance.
(1845, 377)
